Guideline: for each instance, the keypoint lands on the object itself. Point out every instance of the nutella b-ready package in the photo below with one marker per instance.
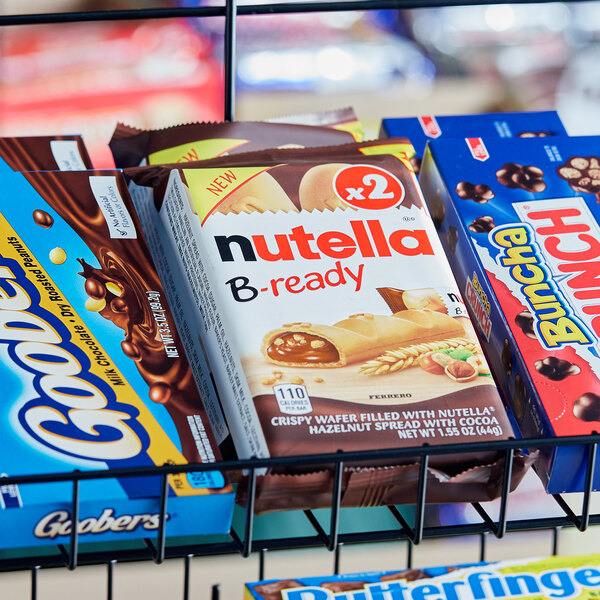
(324, 304)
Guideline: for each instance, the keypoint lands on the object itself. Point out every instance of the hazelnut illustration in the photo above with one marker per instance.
(479, 362)
(461, 371)
(427, 363)
(441, 358)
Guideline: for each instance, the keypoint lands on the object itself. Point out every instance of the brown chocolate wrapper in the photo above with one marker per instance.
(290, 165)
(34, 153)
(337, 118)
(382, 486)
(131, 146)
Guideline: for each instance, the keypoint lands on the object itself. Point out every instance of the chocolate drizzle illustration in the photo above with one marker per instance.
(123, 279)
(34, 153)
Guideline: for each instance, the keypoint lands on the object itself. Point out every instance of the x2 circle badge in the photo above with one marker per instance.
(367, 186)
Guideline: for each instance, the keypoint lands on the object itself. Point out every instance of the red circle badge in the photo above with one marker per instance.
(367, 186)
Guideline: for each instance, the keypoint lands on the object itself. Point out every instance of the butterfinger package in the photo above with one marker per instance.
(573, 577)
(327, 311)
(93, 372)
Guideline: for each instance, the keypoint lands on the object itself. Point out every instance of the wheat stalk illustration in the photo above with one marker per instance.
(392, 361)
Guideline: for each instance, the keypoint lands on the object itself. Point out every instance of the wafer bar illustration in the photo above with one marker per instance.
(261, 194)
(316, 190)
(412, 299)
(357, 338)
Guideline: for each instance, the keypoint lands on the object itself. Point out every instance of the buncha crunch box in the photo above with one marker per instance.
(519, 223)
(327, 311)
(495, 125)
(92, 369)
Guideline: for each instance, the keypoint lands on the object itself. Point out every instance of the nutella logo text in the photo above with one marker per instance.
(75, 412)
(59, 523)
(555, 323)
(367, 238)
(363, 238)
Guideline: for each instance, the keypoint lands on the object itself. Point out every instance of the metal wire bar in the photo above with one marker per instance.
(409, 555)
(335, 506)
(229, 58)
(162, 520)
(508, 462)
(34, 582)
(589, 482)
(110, 567)
(281, 543)
(336, 559)
(187, 561)
(236, 541)
(251, 9)
(421, 492)
(488, 521)
(555, 532)
(73, 547)
(261, 563)
(216, 592)
(407, 530)
(482, 546)
(363, 456)
(316, 526)
(249, 522)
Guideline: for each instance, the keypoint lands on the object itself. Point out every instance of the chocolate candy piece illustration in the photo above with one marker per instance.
(519, 397)
(437, 210)
(42, 218)
(482, 224)
(337, 587)
(524, 320)
(407, 575)
(95, 289)
(526, 177)
(415, 163)
(556, 368)
(507, 357)
(587, 407)
(272, 590)
(478, 192)
(452, 238)
(582, 173)
(57, 256)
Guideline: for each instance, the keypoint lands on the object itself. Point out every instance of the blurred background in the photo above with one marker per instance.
(84, 77)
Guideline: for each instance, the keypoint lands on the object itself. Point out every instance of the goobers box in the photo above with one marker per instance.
(519, 220)
(325, 305)
(93, 373)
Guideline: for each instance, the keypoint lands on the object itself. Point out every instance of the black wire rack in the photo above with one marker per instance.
(241, 539)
